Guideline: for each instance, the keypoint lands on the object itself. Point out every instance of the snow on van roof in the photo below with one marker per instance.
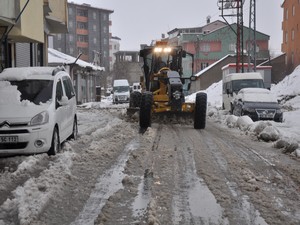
(22, 73)
(240, 76)
(121, 82)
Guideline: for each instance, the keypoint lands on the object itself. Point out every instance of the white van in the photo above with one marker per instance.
(121, 91)
(234, 82)
(37, 110)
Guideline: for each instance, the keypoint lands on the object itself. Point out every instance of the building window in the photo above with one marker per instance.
(58, 37)
(104, 17)
(71, 24)
(105, 29)
(293, 10)
(205, 47)
(94, 15)
(70, 11)
(204, 65)
(81, 12)
(95, 40)
(286, 37)
(81, 25)
(71, 51)
(94, 27)
(59, 49)
(105, 41)
(82, 38)
(104, 54)
(286, 14)
(71, 37)
(293, 34)
(292, 57)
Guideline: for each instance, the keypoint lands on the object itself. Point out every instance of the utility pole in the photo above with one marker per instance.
(236, 6)
(252, 35)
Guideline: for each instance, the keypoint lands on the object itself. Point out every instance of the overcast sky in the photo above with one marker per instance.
(138, 22)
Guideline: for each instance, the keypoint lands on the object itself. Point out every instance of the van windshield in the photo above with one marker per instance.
(249, 83)
(36, 91)
(121, 88)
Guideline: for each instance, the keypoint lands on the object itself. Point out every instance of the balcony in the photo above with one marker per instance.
(82, 31)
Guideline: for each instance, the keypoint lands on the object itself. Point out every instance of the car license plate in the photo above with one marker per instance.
(8, 139)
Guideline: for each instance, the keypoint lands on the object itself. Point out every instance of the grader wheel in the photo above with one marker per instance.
(200, 110)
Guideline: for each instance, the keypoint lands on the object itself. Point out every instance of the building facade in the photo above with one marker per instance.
(214, 41)
(291, 33)
(114, 46)
(89, 34)
(23, 37)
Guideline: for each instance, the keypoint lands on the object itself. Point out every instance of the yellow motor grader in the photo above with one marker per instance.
(168, 73)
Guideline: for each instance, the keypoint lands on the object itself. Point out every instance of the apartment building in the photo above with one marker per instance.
(114, 46)
(214, 41)
(89, 34)
(23, 37)
(291, 33)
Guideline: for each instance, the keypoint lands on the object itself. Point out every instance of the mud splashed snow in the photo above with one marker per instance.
(108, 184)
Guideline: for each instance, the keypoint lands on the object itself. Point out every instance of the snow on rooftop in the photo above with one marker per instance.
(210, 66)
(58, 57)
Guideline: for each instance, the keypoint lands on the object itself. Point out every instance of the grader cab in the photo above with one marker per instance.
(168, 73)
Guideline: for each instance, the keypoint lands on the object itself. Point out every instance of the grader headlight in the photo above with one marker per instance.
(158, 50)
(164, 50)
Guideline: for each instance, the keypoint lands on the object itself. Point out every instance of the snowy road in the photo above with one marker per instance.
(171, 174)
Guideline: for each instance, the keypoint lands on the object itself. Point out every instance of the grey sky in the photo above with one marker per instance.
(138, 22)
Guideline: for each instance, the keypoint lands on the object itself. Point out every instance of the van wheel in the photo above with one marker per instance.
(55, 143)
(74, 134)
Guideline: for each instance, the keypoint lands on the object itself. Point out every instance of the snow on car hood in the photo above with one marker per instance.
(256, 95)
(17, 113)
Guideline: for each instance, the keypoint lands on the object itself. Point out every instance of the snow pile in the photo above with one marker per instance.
(289, 86)
(9, 94)
(214, 95)
(29, 200)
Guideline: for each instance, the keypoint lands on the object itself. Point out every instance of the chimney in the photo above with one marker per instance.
(208, 19)
(163, 36)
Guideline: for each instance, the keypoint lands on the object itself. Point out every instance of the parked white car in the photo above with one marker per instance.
(37, 110)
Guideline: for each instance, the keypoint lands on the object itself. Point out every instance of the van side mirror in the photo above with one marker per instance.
(63, 101)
